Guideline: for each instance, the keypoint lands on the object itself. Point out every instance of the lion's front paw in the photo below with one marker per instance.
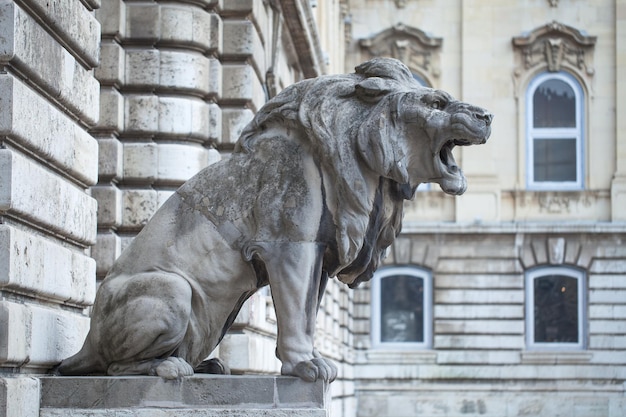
(173, 368)
(314, 369)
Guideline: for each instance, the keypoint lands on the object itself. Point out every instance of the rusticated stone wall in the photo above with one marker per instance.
(479, 361)
(49, 100)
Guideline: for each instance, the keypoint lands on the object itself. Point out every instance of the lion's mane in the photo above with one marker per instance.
(329, 112)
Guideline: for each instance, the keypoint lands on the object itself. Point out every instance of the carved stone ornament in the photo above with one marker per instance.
(414, 47)
(314, 189)
(555, 45)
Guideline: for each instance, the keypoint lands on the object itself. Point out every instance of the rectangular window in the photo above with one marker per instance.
(402, 308)
(555, 306)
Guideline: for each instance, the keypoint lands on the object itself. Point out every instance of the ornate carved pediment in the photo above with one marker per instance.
(415, 48)
(555, 45)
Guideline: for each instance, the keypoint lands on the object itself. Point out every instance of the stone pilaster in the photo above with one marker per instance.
(160, 80)
(618, 186)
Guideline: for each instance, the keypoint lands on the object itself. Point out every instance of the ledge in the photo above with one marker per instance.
(214, 394)
(414, 227)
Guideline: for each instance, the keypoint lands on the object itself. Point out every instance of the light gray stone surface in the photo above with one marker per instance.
(67, 209)
(55, 137)
(43, 268)
(67, 81)
(19, 396)
(192, 396)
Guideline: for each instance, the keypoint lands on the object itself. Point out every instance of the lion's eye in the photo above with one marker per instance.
(437, 104)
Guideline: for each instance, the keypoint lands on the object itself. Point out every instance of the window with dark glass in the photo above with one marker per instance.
(555, 297)
(555, 132)
(401, 307)
(556, 309)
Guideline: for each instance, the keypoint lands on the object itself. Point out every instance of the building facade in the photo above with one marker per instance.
(509, 300)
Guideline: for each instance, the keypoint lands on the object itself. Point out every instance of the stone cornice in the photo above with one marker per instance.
(302, 28)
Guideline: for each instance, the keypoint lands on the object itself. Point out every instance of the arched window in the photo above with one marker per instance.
(402, 308)
(555, 308)
(554, 132)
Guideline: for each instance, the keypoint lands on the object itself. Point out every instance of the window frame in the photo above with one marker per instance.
(568, 271)
(576, 133)
(386, 272)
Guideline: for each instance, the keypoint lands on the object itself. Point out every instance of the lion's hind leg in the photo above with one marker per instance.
(147, 325)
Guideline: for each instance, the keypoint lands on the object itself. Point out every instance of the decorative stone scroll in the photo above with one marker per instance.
(415, 48)
(555, 45)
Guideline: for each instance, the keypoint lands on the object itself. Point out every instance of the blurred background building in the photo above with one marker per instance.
(509, 300)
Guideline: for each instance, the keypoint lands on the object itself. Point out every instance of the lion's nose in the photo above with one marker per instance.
(485, 116)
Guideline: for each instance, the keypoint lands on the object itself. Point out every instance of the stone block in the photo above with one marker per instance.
(478, 342)
(239, 7)
(109, 200)
(241, 85)
(19, 396)
(184, 71)
(466, 296)
(215, 123)
(112, 18)
(112, 64)
(162, 197)
(215, 78)
(140, 162)
(143, 22)
(177, 163)
(242, 42)
(478, 311)
(480, 266)
(141, 113)
(496, 327)
(184, 117)
(73, 23)
(38, 337)
(45, 199)
(191, 26)
(139, 206)
(110, 157)
(31, 264)
(205, 395)
(111, 110)
(107, 249)
(233, 122)
(34, 52)
(249, 352)
(55, 137)
(141, 67)
(607, 296)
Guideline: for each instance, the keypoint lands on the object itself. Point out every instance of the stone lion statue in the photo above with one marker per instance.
(314, 189)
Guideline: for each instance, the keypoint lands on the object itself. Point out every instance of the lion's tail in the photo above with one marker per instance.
(85, 362)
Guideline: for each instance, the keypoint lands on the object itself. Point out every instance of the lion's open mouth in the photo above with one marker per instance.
(446, 156)
(452, 179)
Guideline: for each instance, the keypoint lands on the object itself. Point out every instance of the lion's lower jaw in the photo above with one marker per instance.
(457, 187)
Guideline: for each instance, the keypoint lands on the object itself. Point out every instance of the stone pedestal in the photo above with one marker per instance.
(200, 395)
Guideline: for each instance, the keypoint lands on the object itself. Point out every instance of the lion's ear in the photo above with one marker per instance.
(371, 89)
(378, 147)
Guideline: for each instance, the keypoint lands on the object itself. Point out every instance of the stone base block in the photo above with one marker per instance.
(200, 395)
